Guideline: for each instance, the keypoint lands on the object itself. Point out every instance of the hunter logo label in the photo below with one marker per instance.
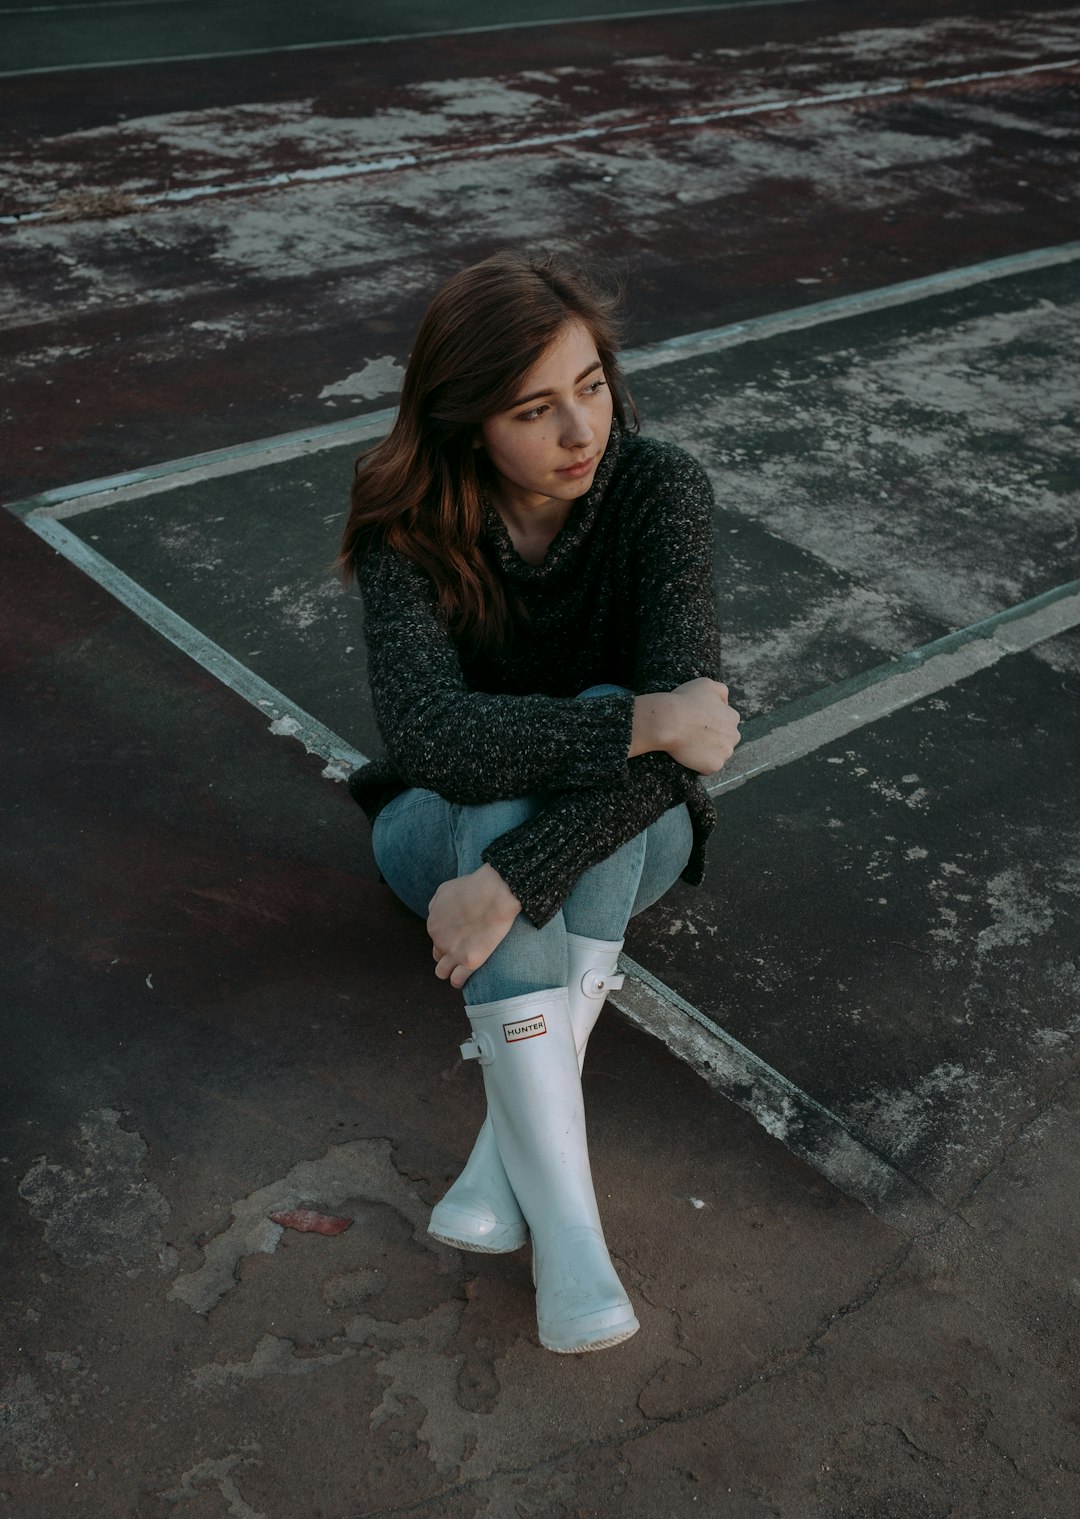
(529, 1028)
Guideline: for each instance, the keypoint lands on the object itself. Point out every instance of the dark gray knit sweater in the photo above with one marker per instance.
(624, 596)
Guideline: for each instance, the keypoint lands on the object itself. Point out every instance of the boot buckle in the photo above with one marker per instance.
(470, 1050)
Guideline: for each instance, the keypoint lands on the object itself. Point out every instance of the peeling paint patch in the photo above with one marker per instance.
(25, 1419)
(898, 1120)
(362, 1169)
(216, 1473)
(413, 1370)
(108, 1209)
(273, 1357)
(379, 377)
(1021, 913)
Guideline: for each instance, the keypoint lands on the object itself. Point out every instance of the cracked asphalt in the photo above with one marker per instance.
(213, 1011)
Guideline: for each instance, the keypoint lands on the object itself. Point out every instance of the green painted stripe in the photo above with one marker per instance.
(363, 40)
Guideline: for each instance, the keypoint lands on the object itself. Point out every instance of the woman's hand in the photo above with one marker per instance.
(468, 919)
(693, 723)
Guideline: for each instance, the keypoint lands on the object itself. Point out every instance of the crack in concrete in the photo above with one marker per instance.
(1019, 1133)
(780, 1367)
(915, 1446)
(1004, 1454)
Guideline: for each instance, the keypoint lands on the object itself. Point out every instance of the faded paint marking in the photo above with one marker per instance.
(73, 500)
(398, 161)
(713, 340)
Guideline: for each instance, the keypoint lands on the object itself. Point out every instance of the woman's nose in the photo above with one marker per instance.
(577, 430)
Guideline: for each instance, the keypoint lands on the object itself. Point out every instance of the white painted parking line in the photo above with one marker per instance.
(88, 495)
(286, 719)
(911, 679)
(782, 1109)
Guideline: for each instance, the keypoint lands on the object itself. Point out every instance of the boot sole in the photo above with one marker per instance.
(464, 1243)
(601, 1341)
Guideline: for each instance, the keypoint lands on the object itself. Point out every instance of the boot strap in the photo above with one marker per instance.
(593, 984)
(477, 1048)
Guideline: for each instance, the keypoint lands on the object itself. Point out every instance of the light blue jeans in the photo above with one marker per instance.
(421, 840)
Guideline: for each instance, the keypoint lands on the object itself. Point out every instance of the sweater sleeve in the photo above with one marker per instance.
(540, 860)
(472, 746)
(677, 640)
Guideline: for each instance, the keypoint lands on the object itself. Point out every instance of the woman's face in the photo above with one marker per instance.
(546, 446)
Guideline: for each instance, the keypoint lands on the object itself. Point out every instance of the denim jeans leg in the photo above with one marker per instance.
(413, 843)
(420, 840)
(528, 959)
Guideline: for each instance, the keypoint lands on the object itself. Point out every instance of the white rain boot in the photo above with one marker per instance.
(479, 1211)
(526, 1049)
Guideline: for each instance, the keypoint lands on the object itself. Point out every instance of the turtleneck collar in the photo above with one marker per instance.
(575, 529)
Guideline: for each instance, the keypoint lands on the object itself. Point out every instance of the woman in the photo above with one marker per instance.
(542, 643)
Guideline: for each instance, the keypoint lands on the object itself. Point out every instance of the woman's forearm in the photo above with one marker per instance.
(655, 723)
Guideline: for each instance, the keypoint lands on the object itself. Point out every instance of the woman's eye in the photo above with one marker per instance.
(531, 414)
(597, 385)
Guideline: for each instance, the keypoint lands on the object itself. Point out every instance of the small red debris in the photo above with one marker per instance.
(308, 1222)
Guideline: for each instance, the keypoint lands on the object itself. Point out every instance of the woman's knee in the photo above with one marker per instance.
(668, 845)
(414, 847)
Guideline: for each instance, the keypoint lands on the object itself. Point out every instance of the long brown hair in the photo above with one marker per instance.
(419, 491)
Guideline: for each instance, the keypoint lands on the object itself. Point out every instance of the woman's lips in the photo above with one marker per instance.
(574, 471)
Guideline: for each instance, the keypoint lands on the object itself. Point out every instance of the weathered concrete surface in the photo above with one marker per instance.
(161, 331)
(366, 109)
(202, 965)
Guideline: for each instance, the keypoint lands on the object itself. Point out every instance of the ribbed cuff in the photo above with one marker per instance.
(603, 728)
